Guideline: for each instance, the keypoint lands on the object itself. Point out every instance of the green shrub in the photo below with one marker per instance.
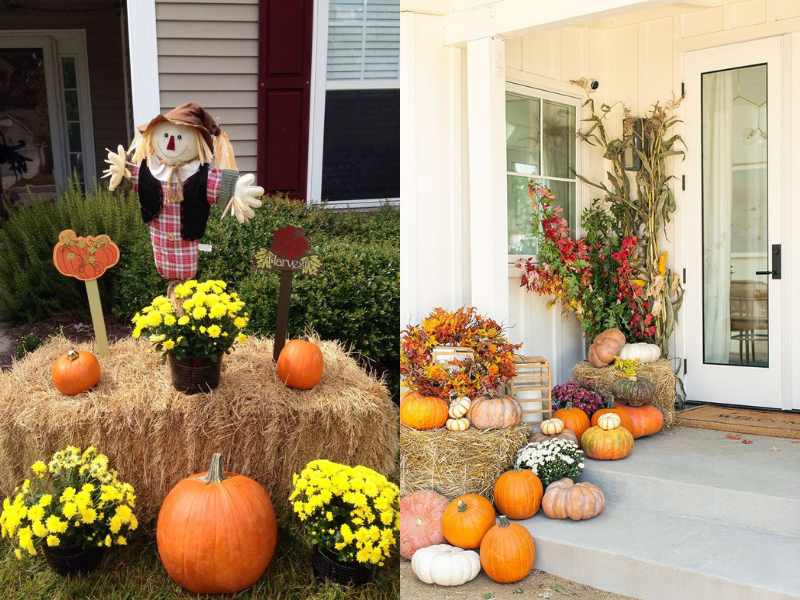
(30, 286)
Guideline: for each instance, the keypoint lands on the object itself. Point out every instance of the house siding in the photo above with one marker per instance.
(208, 52)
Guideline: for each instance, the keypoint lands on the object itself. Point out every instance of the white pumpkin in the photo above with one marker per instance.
(609, 421)
(459, 407)
(461, 424)
(445, 565)
(552, 426)
(643, 352)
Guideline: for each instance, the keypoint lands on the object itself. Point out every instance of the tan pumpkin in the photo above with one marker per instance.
(552, 426)
(565, 499)
(494, 413)
(459, 407)
(518, 494)
(461, 424)
(421, 521)
(605, 347)
(607, 440)
(423, 412)
(567, 434)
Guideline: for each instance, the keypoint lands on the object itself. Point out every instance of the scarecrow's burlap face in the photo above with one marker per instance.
(174, 144)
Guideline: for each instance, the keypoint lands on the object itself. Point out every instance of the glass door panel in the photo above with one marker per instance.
(736, 250)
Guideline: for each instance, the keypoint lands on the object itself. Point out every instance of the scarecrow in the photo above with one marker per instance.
(171, 172)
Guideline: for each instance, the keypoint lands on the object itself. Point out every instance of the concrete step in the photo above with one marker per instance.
(703, 474)
(657, 556)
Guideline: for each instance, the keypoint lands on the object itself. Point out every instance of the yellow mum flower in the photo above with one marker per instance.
(55, 525)
(39, 468)
(170, 320)
(184, 320)
(169, 345)
(88, 516)
(218, 310)
(107, 541)
(68, 494)
(52, 541)
(199, 312)
(155, 339)
(153, 319)
(45, 500)
(214, 331)
(70, 509)
(121, 541)
(240, 322)
(39, 530)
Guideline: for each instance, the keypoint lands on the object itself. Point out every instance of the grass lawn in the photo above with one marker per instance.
(135, 573)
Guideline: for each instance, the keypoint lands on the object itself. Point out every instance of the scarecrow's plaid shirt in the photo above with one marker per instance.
(175, 257)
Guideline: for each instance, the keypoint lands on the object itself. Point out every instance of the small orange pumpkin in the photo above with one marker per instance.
(300, 365)
(645, 420)
(423, 412)
(466, 520)
(518, 494)
(216, 531)
(507, 552)
(574, 419)
(75, 372)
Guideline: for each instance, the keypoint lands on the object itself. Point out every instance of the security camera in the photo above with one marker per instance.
(594, 84)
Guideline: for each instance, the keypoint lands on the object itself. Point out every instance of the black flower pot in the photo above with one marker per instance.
(328, 567)
(195, 375)
(73, 560)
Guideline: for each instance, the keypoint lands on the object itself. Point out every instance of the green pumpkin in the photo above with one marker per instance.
(636, 391)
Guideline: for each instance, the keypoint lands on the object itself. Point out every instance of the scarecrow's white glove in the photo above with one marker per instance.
(245, 198)
(117, 167)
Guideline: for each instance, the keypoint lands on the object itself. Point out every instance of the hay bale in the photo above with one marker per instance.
(455, 463)
(659, 372)
(155, 435)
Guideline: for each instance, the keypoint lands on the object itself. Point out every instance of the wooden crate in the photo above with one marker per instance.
(531, 387)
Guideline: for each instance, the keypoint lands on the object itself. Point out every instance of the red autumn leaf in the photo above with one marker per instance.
(748, 442)
(289, 242)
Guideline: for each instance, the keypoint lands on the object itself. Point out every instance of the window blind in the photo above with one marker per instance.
(363, 40)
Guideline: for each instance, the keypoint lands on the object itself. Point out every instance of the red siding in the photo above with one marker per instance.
(285, 36)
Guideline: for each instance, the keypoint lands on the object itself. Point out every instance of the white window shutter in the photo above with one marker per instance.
(363, 40)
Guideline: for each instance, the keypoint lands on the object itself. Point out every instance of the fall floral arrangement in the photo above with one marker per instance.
(491, 365)
(207, 323)
(352, 512)
(577, 395)
(75, 500)
(551, 459)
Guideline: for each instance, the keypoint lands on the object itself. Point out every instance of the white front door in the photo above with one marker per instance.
(732, 224)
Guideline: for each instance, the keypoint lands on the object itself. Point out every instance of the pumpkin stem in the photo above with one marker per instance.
(502, 521)
(216, 473)
(462, 506)
(73, 354)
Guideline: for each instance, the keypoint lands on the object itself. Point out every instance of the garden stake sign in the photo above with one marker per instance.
(286, 255)
(88, 258)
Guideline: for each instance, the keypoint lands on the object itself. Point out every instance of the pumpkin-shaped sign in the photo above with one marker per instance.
(84, 258)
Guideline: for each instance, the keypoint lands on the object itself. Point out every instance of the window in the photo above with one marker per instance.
(72, 111)
(359, 151)
(541, 145)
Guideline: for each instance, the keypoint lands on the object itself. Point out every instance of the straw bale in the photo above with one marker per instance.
(155, 436)
(659, 372)
(457, 462)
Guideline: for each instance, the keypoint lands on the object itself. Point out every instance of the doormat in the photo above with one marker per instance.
(742, 420)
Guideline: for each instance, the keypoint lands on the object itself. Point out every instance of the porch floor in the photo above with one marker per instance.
(690, 514)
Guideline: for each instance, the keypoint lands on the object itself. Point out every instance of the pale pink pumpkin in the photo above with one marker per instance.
(421, 521)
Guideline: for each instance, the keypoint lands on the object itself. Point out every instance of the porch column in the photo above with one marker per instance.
(486, 120)
(143, 56)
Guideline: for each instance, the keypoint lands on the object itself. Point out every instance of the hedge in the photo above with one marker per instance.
(354, 298)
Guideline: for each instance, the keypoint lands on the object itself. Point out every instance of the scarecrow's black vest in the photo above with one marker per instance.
(194, 208)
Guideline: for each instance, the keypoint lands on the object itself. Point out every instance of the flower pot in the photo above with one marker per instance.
(326, 566)
(194, 375)
(73, 560)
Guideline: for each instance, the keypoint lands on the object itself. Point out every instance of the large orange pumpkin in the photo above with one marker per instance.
(420, 521)
(300, 365)
(574, 419)
(608, 440)
(423, 412)
(466, 520)
(216, 531)
(645, 420)
(518, 494)
(75, 372)
(507, 552)
(627, 423)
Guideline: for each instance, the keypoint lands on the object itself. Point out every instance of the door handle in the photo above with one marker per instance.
(776, 263)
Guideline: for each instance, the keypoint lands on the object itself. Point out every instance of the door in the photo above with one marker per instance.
(285, 33)
(732, 218)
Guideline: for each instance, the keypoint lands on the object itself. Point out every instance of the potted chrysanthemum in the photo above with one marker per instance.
(195, 332)
(72, 510)
(351, 515)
